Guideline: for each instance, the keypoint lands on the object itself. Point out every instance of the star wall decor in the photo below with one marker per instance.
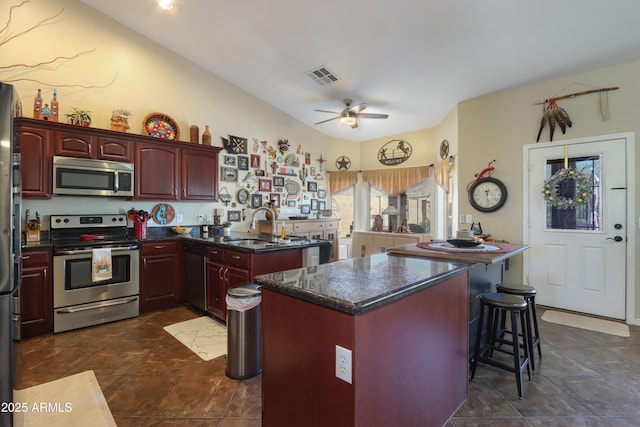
(343, 163)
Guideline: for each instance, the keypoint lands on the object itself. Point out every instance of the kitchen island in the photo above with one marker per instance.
(486, 271)
(403, 322)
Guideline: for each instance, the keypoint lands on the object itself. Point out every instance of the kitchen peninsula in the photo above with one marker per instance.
(401, 323)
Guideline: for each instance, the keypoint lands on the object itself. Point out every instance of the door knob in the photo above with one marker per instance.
(617, 238)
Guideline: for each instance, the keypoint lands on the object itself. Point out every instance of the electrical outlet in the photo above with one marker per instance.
(468, 219)
(179, 218)
(462, 219)
(343, 364)
(201, 218)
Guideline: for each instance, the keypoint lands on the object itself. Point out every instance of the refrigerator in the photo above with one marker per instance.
(10, 249)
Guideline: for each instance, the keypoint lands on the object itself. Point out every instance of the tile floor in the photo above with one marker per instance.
(150, 379)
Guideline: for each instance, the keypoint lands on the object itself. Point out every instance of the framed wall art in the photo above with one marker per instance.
(274, 198)
(322, 205)
(233, 216)
(264, 185)
(230, 161)
(260, 172)
(243, 163)
(256, 201)
(312, 186)
(255, 161)
(278, 181)
(322, 194)
(305, 209)
(228, 174)
(291, 203)
(314, 204)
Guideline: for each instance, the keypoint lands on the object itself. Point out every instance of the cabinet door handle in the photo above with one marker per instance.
(220, 273)
(226, 278)
(25, 257)
(159, 246)
(145, 263)
(235, 256)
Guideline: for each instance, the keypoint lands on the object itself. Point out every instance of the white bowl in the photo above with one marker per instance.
(181, 230)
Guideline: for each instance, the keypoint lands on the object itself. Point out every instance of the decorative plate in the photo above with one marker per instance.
(163, 214)
(161, 126)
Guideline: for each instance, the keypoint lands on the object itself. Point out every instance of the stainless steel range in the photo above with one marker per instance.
(79, 299)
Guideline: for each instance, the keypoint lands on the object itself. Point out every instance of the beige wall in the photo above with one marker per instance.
(497, 126)
(149, 79)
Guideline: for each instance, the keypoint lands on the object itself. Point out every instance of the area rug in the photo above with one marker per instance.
(74, 401)
(203, 335)
(586, 322)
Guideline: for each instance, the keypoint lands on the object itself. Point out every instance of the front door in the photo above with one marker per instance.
(577, 257)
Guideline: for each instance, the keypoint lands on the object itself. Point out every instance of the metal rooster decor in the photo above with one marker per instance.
(552, 115)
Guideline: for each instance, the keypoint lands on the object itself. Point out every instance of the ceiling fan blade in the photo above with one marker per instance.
(357, 108)
(328, 120)
(325, 111)
(372, 116)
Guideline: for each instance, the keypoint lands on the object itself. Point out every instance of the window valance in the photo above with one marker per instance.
(339, 180)
(441, 172)
(394, 181)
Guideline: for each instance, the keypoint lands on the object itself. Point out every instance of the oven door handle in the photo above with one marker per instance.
(89, 251)
(96, 305)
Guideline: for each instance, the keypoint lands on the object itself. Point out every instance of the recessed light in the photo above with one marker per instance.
(165, 4)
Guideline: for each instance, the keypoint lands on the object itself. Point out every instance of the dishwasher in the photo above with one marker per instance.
(195, 274)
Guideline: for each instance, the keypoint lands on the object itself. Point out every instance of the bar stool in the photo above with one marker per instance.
(498, 306)
(529, 294)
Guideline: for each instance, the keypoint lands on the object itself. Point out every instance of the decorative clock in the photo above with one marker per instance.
(487, 194)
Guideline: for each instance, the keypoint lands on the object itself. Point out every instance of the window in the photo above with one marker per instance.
(414, 204)
(587, 216)
(342, 207)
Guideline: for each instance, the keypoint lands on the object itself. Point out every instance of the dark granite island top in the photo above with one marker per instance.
(358, 285)
(395, 327)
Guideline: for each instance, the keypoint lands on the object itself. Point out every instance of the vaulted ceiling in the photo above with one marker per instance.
(413, 60)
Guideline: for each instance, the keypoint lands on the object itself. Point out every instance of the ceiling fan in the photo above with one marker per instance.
(350, 115)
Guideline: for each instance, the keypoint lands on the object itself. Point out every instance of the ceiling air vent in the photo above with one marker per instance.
(322, 75)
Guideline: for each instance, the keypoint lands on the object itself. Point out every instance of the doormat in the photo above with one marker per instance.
(586, 322)
(202, 335)
(74, 401)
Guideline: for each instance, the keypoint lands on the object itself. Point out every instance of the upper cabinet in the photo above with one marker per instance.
(84, 143)
(34, 144)
(164, 170)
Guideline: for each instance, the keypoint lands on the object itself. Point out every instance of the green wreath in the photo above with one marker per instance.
(583, 189)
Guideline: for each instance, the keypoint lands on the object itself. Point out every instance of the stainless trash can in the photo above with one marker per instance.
(244, 331)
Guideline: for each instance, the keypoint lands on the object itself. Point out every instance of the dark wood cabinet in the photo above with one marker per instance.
(164, 170)
(160, 273)
(115, 149)
(199, 174)
(225, 268)
(36, 294)
(72, 143)
(156, 172)
(34, 144)
(75, 143)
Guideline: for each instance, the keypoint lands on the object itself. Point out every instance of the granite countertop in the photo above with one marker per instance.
(244, 242)
(359, 285)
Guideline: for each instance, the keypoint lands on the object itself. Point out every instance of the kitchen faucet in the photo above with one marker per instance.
(273, 219)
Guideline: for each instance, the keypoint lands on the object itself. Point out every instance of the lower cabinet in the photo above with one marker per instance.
(36, 294)
(225, 268)
(160, 275)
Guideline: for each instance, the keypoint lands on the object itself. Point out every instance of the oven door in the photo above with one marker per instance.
(72, 284)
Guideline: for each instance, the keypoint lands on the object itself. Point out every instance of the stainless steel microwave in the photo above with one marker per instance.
(88, 177)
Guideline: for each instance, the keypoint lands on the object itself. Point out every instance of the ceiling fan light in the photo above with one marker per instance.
(165, 4)
(348, 120)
